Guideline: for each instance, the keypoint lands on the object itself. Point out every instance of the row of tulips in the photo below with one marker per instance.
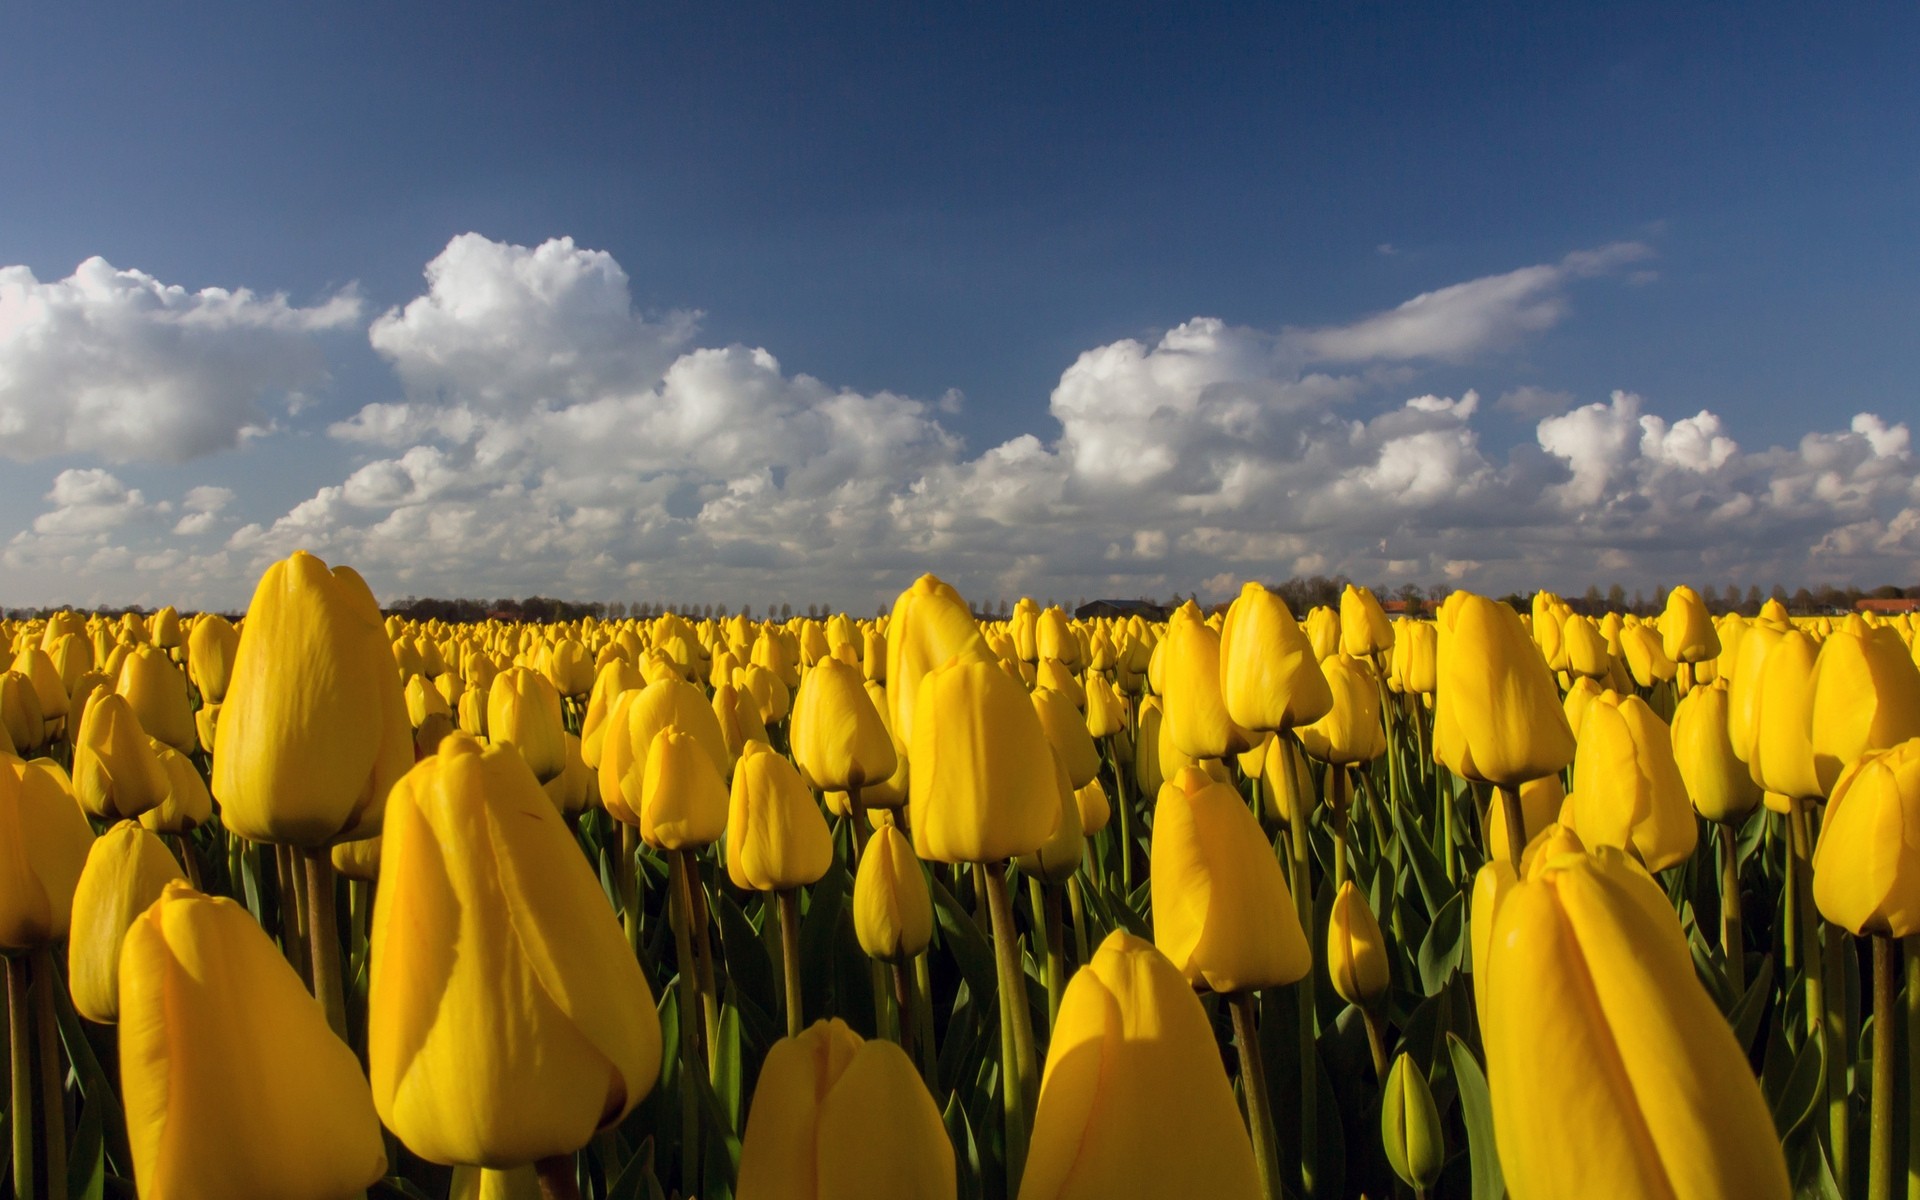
(1231, 904)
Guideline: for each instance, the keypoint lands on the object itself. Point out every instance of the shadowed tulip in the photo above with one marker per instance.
(1269, 674)
(1497, 715)
(776, 837)
(126, 870)
(892, 908)
(1866, 877)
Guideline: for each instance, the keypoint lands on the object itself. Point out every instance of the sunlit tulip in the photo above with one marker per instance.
(1148, 774)
(1222, 912)
(636, 717)
(1595, 1021)
(776, 837)
(188, 804)
(1286, 784)
(1866, 877)
(424, 701)
(1646, 658)
(1053, 638)
(616, 677)
(1627, 788)
(576, 788)
(1540, 803)
(1497, 714)
(569, 668)
(1269, 674)
(1866, 697)
(1323, 631)
(810, 1130)
(1195, 709)
(46, 840)
(839, 738)
(126, 870)
(1351, 731)
(1356, 949)
(1782, 752)
(1744, 690)
(983, 787)
(72, 657)
(683, 800)
(1067, 732)
(1687, 633)
(1717, 781)
(1106, 712)
(313, 733)
(507, 1018)
(210, 650)
(892, 908)
(1135, 1100)
(930, 626)
(116, 771)
(523, 711)
(37, 667)
(1586, 646)
(20, 715)
(1364, 628)
(235, 1087)
(1421, 640)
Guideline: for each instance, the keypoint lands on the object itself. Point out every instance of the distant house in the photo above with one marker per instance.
(1144, 609)
(1886, 607)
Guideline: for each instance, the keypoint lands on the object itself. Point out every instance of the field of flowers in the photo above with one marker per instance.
(1239, 904)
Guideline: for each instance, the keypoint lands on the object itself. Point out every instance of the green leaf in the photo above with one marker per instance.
(1746, 1014)
(1801, 1092)
(87, 1160)
(748, 965)
(818, 930)
(637, 1179)
(963, 938)
(1476, 1112)
(727, 1066)
(1425, 865)
(1445, 945)
(966, 1151)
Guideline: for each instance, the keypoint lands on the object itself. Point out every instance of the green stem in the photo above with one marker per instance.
(790, 956)
(53, 1103)
(903, 996)
(1016, 1047)
(1122, 801)
(923, 1018)
(1377, 1043)
(1078, 906)
(702, 952)
(323, 931)
(680, 914)
(1880, 1136)
(1309, 1084)
(626, 878)
(1056, 955)
(1516, 821)
(20, 1046)
(1732, 943)
(1337, 804)
(1253, 1079)
(1912, 964)
(1838, 1045)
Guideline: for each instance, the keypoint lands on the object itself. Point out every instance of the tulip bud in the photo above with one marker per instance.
(188, 804)
(48, 687)
(776, 837)
(507, 1019)
(1686, 628)
(313, 732)
(631, 725)
(1106, 715)
(1323, 632)
(1716, 779)
(1422, 642)
(930, 626)
(1865, 877)
(1497, 716)
(48, 839)
(616, 677)
(1364, 628)
(1147, 770)
(1594, 1020)
(1222, 912)
(983, 787)
(1286, 784)
(358, 861)
(1195, 708)
(126, 870)
(1356, 949)
(1782, 753)
(235, 1086)
(892, 909)
(1586, 647)
(210, 651)
(1410, 1127)
(72, 657)
(1646, 658)
(523, 711)
(116, 772)
(424, 701)
(810, 1131)
(1269, 675)
(1351, 731)
(1866, 697)
(1094, 809)
(569, 668)
(683, 800)
(1067, 732)
(157, 692)
(839, 739)
(1627, 787)
(1134, 1100)
(20, 716)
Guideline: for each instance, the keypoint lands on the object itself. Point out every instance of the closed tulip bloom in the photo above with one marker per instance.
(1586, 647)
(739, 717)
(616, 677)
(452, 690)
(1646, 658)
(892, 908)
(1596, 1022)
(1067, 732)
(1781, 758)
(1093, 806)
(507, 1019)
(575, 788)
(1364, 628)
(810, 1131)
(36, 665)
(770, 694)
(1269, 674)
(44, 840)
(72, 657)
(683, 800)
(210, 651)
(1060, 855)
(1422, 640)
(1195, 707)
(776, 837)
(1222, 912)
(1323, 631)
(234, 1085)
(636, 718)
(1106, 714)
(1865, 875)
(1687, 633)
(1578, 697)
(1351, 731)
(126, 870)
(165, 627)
(25, 724)
(1356, 949)
(1053, 637)
(188, 804)
(1286, 784)
(570, 668)
(930, 626)
(424, 701)
(1540, 803)
(1497, 716)
(1410, 1125)
(839, 738)
(313, 733)
(1717, 781)
(1866, 697)
(158, 693)
(116, 771)
(523, 711)
(983, 787)
(471, 713)
(1748, 674)
(1147, 770)
(359, 861)
(1627, 788)
(1134, 1100)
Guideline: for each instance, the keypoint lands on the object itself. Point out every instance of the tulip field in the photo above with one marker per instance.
(1242, 903)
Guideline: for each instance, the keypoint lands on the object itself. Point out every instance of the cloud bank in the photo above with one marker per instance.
(545, 436)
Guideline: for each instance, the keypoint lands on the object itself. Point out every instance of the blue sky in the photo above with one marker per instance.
(941, 211)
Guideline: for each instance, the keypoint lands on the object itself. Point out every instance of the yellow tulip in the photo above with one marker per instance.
(1586, 646)
(235, 1087)
(1060, 855)
(210, 650)
(424, 701)
(359, 861)
(1627, 788)
(1866, 697)
(507, 1019)
(683, 800)
(1497, 715)
(1106, 713)
(313, 733)
(892, 908)
(1222, 912)
(37, 667)
(1410, 1125)
(1356, 949)
(930, 626)
(776, 837)
(1351, 731)
(810, 1130)
(1195, 708)
(616, 677)
(1540, 803)
(569, 669)
(1135, 1100)
(1646, 657)
(1269, 674)
(44, 840)
(1067, 732)
(1716, 779)
(1596, 1022)
(523, 711)
(839, 738)
(1781, 757)
(1323, 631)
(1094, 808)
(1364, 628)
(983, 787)
(116, 771)
(1865, 875)
(1687, 633)
(126, 870)
(158, 693)
(1422, 642)
(20, 716)
(188, 804)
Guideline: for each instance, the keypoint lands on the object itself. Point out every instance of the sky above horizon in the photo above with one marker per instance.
(758, 303)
